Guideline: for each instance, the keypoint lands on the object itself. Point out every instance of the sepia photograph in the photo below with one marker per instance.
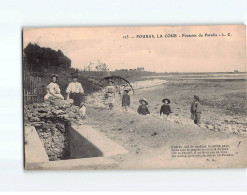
(134, 97)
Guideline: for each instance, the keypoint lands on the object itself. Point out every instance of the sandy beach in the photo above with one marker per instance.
(223, 100)
(149, 138)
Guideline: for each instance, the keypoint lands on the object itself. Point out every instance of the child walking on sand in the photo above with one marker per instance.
(196, 110)
(125, 100)
(165, 108)
(143, 109)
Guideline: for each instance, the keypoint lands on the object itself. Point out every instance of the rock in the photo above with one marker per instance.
(211, 127)
(34, 119)
(154, 133)
(50, 120)
(208, 123)
(42, 110)
(37, 124)
(60, 127)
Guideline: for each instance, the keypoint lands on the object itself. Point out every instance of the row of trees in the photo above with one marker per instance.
(40, 58)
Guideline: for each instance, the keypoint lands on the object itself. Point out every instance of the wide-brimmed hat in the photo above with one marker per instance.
(141, 100)
(54, 75)
(197, 98)
(166, 100)
(75, 75)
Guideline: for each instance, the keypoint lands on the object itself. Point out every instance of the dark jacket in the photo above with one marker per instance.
(126, 100)
(195, 107)
(165, 109)
(143, 109)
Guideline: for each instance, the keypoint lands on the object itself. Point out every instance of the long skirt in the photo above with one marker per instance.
(47, 96)
(76, 97)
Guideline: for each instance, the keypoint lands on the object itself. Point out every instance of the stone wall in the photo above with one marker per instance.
(51, 120)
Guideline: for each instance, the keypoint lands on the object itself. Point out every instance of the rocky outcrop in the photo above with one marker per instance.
(51, 120)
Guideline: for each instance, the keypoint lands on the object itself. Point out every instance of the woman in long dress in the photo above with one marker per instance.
(53, 90)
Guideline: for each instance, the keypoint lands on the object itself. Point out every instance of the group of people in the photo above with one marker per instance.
(74, 91)
(111, 93)
(165, 109)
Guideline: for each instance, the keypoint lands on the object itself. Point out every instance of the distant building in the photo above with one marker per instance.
(140, 68)
(235, 70)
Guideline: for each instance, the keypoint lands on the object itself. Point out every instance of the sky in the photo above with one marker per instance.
(160, 54)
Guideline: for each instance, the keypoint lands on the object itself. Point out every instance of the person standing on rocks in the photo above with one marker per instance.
(196, 110)
(53, 90)
(75, 91)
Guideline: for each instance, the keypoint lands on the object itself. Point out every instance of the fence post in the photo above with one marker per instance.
(33, 91)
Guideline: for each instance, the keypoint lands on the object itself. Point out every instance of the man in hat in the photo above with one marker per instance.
(143, 109)
(126, 87)
(126, 100)
(196, 110)
(53, 90)
(165, 108)
(75, 91)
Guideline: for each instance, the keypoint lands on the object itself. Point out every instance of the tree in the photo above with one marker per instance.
(38, 58)
(89, 67)
(101, 66)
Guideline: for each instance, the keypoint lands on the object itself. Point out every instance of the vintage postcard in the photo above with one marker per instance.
(139, 97)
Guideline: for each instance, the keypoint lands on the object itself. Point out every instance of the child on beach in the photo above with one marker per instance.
(110, 94)
(196, 110)
(165, 108)
(83, 107)
(143, 109)
(125, 100)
